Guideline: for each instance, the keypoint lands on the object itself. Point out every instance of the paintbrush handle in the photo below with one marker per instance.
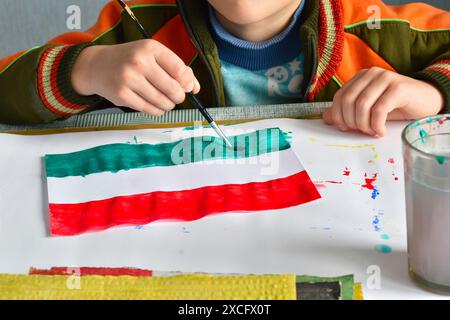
(136, 21)
(193, 98)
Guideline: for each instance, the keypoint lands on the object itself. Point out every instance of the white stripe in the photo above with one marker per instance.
(106, 185)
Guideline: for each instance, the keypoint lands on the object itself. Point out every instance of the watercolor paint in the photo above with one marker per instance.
(426, 148)
(428, 212)
(383, 248)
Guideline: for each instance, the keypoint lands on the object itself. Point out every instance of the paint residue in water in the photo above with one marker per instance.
(383, 248)
(423, 134)
(347, 172)
(441, 159)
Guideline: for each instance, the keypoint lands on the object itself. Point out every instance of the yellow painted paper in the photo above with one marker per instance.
(182, 287)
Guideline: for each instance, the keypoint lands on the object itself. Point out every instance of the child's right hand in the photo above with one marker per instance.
(143, 75)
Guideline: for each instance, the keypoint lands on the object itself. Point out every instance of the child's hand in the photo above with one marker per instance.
(376, 95)
(143, 75)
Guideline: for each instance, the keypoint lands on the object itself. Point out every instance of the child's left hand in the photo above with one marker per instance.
(376, 95)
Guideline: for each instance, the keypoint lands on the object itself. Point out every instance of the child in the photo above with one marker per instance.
(375, 68)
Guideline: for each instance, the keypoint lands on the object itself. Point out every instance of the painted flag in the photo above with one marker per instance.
(135, 184)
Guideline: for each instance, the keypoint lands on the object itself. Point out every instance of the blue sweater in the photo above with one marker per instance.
(257, 73)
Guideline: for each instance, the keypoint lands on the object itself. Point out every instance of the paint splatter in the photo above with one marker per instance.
(376, 224)
(383, 248)
(391, 161)
(347, 172)
(139, 227)
(375, 194)
(441, 159)
(369, 182)
(385, 236)
(312, 139)
(442, 120)
(371, 146)
(135, 140)
(423, 134)
(320, 185)
(185, 230)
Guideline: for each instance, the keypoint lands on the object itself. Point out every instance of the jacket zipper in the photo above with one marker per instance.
(196, 44)
(314, 65)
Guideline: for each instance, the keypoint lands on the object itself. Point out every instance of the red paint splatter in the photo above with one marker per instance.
(61, 271)
(396, 178)
(347, 172)
(442, 120)
(371, 161)
(334, 182)
(320, 185)
(370, 182)
(391, 161)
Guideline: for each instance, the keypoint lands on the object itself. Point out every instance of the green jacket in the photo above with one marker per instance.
(338, 37)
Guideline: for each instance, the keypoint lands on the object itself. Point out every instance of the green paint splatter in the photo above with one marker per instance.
(423, 134)
(117, 157)
(441, 159)
(385, 236)
(383, 248)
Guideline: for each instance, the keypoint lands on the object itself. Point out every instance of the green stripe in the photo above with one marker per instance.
(393, 20)
(117, 157)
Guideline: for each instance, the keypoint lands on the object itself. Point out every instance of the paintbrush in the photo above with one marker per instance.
(194, 100)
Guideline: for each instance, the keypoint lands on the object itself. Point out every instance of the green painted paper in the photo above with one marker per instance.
(117, 157)
(347, 283)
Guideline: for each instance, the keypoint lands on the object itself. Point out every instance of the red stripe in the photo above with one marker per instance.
(439, 69)
(41, 87)
(55, 88)
(64, 271)
(188, 205)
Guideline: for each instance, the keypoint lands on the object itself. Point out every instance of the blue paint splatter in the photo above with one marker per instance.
(383, 248)
(185, 230)
(376, 224)
(375, 193)
(423, 134)
(139, 227)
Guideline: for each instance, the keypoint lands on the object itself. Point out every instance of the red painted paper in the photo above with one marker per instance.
(188, 205)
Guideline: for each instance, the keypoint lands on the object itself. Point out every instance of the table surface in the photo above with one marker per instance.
(340, 234)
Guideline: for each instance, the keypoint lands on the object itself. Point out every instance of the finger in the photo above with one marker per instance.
(380, 111)
(328, 116)
(134, 101)
(176, 68)
(162, 81)
(197, 87)
(331, 116)
(336, 114)
(350, 94)
(153, 96)
(366, 101)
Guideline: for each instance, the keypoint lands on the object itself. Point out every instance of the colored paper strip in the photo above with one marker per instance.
(184, 287)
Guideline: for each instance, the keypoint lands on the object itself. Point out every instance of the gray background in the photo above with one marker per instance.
(27, 23)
